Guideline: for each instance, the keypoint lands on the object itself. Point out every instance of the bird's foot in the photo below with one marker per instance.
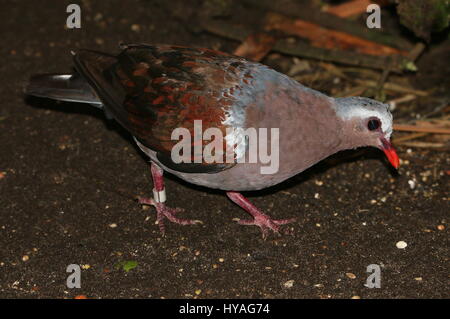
(265, 223)
(162, 212)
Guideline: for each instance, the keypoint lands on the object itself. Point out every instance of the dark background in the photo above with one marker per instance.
(67, 175)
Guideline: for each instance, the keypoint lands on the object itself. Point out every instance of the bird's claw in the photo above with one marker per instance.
(265, 223)
(163, 211)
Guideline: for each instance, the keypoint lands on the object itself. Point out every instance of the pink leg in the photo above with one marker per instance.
(158, 201)
(260, 219)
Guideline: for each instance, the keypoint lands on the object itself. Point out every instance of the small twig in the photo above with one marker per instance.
(409, 137)
(383, 78)
(355, 91)
(312, 77)
(425, 129)
(348, 9)
(424, 144)
(334, 70)
(392, 87)
(435, 121)
(414, 54)
(443, 108)
(366, 73)
(256, 46)
(406, 98)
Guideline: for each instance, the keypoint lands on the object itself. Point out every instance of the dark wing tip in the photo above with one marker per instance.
(193, 167)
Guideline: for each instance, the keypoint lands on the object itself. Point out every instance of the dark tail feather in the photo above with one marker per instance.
(62, 87)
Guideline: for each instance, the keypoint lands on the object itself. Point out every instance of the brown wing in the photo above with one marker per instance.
(152, 90)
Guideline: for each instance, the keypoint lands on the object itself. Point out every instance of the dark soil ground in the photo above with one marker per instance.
(69, 180)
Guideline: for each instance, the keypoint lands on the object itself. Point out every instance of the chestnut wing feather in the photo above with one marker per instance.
(152, 90)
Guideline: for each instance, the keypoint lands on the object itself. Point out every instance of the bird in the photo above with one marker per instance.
(165, 94)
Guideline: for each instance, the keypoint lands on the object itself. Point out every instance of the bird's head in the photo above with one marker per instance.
(369, 123)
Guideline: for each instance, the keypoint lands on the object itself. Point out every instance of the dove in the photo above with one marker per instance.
(217, 120)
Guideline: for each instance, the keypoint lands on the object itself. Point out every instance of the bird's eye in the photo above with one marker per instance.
(373, 124)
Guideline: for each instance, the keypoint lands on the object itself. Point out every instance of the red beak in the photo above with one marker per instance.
(390, 152)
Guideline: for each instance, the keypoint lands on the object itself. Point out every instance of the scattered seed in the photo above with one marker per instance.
(113, 225)
(440, 227)
(289, 284)
(25, 258)
(401, 244)
(356, 297)
(135, 27)
(198, 292)
(350, 275)
(98, 17)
